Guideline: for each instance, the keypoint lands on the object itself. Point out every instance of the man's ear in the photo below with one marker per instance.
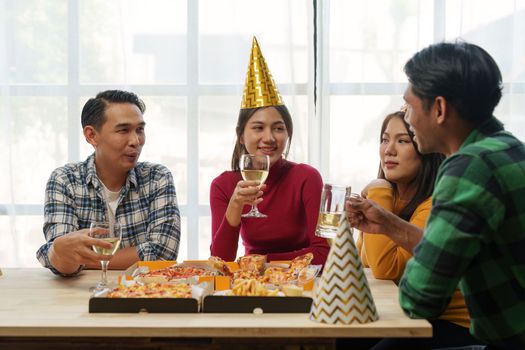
(91, 135)
(440, 110)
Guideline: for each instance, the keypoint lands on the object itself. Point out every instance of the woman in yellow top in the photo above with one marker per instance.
(404, 186)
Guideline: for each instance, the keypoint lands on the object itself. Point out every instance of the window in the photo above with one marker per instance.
(366, 44)
(188, 64)
(187, 59)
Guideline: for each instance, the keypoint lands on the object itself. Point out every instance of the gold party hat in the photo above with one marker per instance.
(343, 295)
(259, 89)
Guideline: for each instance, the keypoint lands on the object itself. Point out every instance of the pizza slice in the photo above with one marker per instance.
(253, 262)
(277, 275)
(300, 262)
(219, 264)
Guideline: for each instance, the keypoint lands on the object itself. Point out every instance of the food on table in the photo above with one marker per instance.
(152, 290)
(306, 275)
(277, 275)
(299, 271)
(253, 262)
(251, 287)
(220, 265)
(173, 273)
(245, 275)
(292, 290)
(300, 262)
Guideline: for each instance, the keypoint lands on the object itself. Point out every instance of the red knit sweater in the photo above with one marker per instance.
(291, 200)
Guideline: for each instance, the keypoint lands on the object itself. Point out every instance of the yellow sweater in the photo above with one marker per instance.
(387, 260)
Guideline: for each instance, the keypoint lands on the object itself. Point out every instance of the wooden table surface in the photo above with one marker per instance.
(35, 303)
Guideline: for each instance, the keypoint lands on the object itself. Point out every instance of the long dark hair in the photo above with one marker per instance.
(426, 176)
(244, 116)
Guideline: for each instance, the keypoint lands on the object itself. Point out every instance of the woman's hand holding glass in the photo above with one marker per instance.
(248, 193)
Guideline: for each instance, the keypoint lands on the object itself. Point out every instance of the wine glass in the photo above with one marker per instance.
(111, 233)
(254, 168)
(331, 210)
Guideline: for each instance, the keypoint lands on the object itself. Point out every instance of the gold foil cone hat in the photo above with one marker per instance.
(259, 88)
(343, 295)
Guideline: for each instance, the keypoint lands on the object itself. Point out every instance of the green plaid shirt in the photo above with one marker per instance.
(475, 237)
(147, 208)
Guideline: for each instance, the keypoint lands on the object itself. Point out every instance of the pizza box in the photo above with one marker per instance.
(256, 304)
(149, 305)
(99, 303)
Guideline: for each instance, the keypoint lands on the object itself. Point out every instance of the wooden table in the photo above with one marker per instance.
(37, 307)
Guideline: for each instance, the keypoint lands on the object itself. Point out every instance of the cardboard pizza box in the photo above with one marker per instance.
(100, 303)
(143, 305)
(256, 304)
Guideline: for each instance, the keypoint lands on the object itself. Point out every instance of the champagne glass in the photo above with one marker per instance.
(111, 233)
(254, 168)
(332, 210)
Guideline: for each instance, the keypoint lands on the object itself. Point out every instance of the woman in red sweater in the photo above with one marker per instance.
(291, 194)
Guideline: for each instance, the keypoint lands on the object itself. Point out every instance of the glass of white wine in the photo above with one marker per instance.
(254, 168)
(111, 233)
(332, 210)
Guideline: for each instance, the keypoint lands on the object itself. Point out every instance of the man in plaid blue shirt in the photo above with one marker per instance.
(110, 185)
(475, 234)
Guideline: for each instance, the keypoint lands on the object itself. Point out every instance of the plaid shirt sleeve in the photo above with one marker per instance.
(466, 208)
(59, 217)
(163, 232)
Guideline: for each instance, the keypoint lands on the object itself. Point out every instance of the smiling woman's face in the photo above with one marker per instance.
(265, 134)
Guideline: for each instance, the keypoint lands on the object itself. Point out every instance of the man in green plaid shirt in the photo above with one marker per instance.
(475, 235)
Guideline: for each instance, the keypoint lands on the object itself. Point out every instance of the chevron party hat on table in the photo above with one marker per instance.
(259, 89)
(342, 295)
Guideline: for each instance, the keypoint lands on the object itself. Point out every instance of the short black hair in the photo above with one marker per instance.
(463, 73)
(93, 111)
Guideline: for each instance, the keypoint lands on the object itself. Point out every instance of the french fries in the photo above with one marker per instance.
(251, 287)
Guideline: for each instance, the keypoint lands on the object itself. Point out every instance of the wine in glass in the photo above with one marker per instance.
(254, 168)
(331, 210)
(111, 233)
